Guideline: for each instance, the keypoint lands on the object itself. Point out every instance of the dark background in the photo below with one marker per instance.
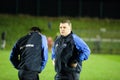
(58, 8)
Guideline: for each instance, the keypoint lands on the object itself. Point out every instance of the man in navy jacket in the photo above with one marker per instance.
(68, 52)
(30, 54)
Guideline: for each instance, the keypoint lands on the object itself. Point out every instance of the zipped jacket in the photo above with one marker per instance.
(67, 50)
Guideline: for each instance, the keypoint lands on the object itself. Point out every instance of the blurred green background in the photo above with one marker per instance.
(102, 65)
(87, 28)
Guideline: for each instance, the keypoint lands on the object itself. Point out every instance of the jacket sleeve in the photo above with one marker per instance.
(53, 48)
(53, 53)
(14, 56)
(45, 52)
(84, 50)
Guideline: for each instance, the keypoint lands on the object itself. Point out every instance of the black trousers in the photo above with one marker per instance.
(67, 76)
(28, 75)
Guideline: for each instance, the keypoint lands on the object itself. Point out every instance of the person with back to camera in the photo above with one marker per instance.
(68, 52)
(30, 54)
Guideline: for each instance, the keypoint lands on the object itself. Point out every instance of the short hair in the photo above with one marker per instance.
(35, 28)
(67, 21)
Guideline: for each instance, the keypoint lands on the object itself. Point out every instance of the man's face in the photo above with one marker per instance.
(65, 29)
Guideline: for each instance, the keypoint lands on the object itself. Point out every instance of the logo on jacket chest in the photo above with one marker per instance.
(62, 45)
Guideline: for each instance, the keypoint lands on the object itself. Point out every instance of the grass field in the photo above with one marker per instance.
(97, 67)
